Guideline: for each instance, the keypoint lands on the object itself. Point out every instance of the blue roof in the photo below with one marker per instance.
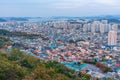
(60, 46)
(63, 38)
(83, 66)
(74, 66)
(53, 47)
(118, 69)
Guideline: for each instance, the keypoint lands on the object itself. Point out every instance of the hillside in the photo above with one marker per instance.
(16, 65)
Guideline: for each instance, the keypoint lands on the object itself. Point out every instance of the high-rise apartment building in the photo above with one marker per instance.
(102, 28)
(112, 38)
(85, 27)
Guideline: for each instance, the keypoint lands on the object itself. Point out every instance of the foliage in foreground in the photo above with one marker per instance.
(18, 66)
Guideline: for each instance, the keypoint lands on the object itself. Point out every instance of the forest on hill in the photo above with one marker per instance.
(16, 65)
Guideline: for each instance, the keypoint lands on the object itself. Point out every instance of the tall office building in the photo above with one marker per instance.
(112, 38)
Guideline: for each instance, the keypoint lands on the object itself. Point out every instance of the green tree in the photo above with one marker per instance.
(16, 55)
(10, 71)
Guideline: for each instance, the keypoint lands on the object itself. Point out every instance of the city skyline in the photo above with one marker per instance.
(36, 8)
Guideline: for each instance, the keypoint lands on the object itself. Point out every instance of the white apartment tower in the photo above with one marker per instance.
(112, 38)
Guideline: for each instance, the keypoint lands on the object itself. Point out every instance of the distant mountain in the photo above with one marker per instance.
(114, 20)
(5, 19)
(18, 19)
(103, 17)
(110, 18)
(2, 20)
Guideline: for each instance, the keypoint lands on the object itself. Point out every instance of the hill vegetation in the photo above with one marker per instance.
(18, 34)
(16, 65)
(4, 41)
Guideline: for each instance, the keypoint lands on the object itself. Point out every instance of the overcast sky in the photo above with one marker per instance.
(45, 8)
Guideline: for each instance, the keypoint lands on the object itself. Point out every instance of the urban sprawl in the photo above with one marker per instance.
(88, 46)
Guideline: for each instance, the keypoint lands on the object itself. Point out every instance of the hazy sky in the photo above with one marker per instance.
(45, 8)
